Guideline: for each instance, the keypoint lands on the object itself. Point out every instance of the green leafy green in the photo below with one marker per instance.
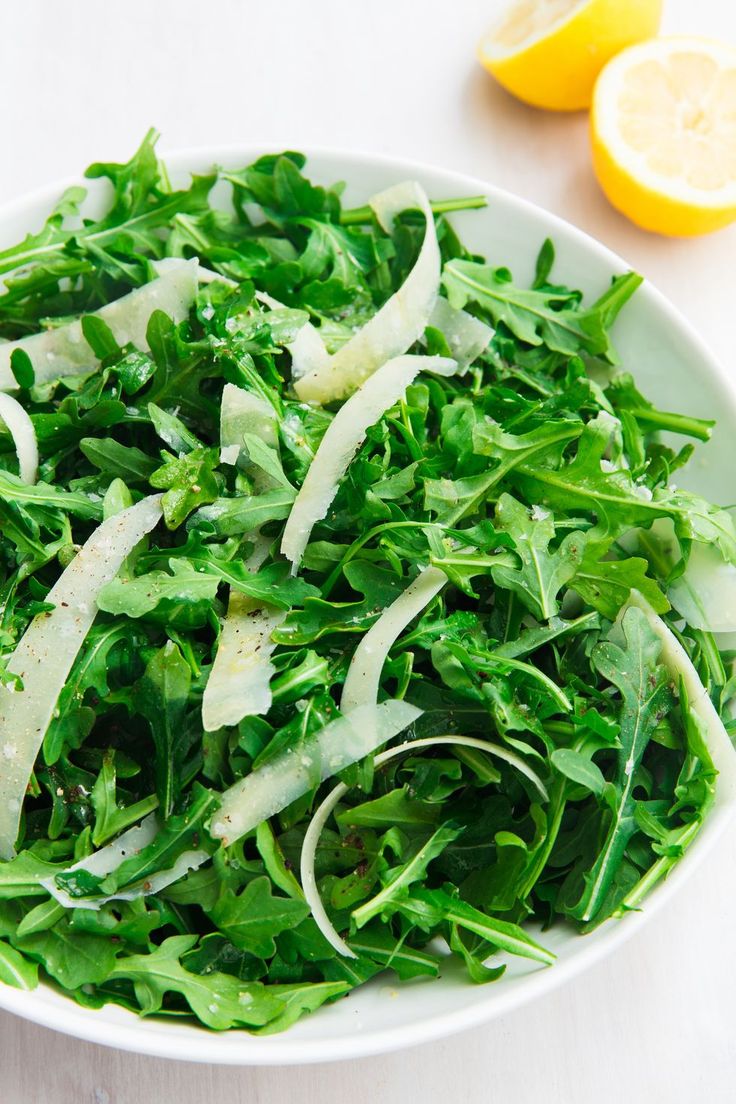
(532, 482)
(162, 697)
(539, 317)
(542, 572)
(645, 698)
(254, 917)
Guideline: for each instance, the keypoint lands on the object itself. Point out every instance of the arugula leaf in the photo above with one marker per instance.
(645, 698)
(162, 697)
(406, 961)
(252, 918)
(143, 593)
(22, 876)
(343, 254)
(606, 584)
(430, 907)
(301, 999)
(579, 768)
(542, 572)
(510, 451)
(539, 317)
(119, 461)
(111, 818)
(74, 717)
(228, 517)
(71, 958)
(218, 1000)
(189, 481)
(400, 880)
(42, 495)
(16, 970)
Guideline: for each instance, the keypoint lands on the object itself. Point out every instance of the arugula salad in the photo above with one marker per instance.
(350, 615)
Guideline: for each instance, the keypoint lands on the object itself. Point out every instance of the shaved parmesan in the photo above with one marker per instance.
(320, 817)
(209, 276)
(466, 336)
(239, 684)
(229, 454)
(64, 351)
(244, 412)
(204, 275)
(679, 665)
(399, 322)
(344, 436)
(705, 594)
(109, 858)
(240, 681)
(364, 672)
(308, 353)
(297, 770)
(307, 874)
(46, 652)
(20, 428)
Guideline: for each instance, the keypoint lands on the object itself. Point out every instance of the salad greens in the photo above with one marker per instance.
(196, 819)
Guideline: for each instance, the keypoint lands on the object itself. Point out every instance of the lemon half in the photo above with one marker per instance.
(549, 52)
(663, 128)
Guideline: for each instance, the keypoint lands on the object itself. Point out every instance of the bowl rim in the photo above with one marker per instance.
(195, 1044)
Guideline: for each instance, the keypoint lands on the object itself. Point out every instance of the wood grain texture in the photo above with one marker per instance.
(655, 1023)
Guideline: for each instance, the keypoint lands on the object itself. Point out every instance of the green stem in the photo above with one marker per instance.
(356, 216)
(700, 428)
(557, 808)
(712, 657)
(533, 672)
(356, 546)
(123, 818)
(659, 870)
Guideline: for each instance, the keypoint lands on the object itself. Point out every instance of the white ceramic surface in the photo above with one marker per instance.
(675, 368)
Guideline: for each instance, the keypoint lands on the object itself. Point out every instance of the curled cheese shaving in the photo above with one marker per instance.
(341, 441)
(396, 326)
(21, 430)
(64, 350)
(46, 652)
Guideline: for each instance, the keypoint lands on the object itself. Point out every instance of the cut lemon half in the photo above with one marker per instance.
(549, 52)
(663, 130)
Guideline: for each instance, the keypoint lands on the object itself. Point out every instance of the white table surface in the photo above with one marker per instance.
(82, 82)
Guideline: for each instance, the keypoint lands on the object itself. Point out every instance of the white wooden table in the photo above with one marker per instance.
(82, 82)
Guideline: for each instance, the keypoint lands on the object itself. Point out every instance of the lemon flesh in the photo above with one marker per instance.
(663, 131)
(549, 52)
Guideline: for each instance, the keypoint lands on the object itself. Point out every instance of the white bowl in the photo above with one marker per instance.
(674, 368)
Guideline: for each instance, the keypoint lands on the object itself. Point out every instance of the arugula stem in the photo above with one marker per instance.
(659, 870)
(356, 546)
(712, 657)
(404, 430)
(357, 216)
(700, 428)
(533, 672)
(557, 803)
(125, 817)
